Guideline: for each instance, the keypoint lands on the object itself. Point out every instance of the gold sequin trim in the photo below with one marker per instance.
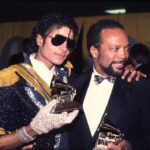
(69, 66)
(8, 77)
(4, 132)
(34, 79)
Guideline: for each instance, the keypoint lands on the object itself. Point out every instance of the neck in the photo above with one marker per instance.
(99, 70)
(44, 61)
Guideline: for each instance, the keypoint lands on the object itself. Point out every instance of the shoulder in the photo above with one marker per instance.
(143, 83)
(8, 76)
(145, 69)
(80, 79)
(81, 76)
(140, 87)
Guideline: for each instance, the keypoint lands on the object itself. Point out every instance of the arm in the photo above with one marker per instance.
(142, 98)
(12, 141)
(43, 122)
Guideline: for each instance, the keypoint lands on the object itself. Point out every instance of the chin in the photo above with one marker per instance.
(58, 62)
(115, 72)
(118, 73)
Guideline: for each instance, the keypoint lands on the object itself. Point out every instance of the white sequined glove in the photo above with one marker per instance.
(46, 120)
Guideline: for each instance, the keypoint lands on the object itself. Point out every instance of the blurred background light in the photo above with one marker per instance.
(116, 11)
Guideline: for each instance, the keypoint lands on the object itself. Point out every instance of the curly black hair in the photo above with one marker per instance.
(94, 31)
(46, 24)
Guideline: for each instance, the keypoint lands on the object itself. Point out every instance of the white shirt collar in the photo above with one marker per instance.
(41, 69)
(96, 73)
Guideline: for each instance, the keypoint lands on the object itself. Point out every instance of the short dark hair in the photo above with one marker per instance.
(47, 23)
(95, 29)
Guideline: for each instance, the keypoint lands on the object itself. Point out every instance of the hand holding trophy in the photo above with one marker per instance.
(64, 94)
(107, 134)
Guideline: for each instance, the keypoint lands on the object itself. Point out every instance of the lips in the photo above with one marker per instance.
(119, 66)
(61, 56)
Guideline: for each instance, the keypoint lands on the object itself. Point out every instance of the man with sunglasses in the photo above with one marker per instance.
(27, 113)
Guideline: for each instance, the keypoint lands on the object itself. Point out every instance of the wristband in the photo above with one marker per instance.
(23, 135)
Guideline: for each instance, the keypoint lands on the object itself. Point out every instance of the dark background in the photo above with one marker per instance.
(33, 10)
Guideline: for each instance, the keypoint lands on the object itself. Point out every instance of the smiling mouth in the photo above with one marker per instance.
(61, 56)
(119, 66)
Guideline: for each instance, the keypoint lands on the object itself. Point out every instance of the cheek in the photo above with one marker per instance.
(46, 51)
(105, 60)
(68, 54)
(47, 48)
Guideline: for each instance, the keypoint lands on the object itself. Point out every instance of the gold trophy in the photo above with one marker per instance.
(107, 134)
(64, 94)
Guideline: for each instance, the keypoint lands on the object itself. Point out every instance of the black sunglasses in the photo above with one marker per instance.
(60, 39)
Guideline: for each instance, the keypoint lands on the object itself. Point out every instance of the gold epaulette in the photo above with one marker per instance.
(8, 77)
(69, 66)
(4, 132)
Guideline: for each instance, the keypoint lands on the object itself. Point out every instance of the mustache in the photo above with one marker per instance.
(119, 62)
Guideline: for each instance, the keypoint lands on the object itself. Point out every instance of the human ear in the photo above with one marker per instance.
(94, 51)
(39, 40)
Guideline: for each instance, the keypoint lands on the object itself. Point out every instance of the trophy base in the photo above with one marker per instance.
(100, 147)
(67, 106)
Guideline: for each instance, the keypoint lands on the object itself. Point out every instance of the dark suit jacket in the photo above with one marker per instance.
(145, 68)
(128, 109)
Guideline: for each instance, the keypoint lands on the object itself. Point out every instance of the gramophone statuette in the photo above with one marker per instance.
(64, 94)
(107, 134)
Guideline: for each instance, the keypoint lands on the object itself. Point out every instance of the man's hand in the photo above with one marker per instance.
(46, 120)
(123, 145)
(131, 73)
(28, 147)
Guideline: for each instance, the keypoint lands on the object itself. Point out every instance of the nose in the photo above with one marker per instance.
(64, 46)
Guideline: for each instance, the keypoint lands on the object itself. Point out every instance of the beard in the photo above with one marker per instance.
(110, 71)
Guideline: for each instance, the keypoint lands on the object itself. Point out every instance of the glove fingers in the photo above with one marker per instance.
(71, 116)
(50, 106)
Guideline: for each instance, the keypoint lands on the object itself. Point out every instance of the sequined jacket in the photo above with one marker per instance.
(21, 97)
